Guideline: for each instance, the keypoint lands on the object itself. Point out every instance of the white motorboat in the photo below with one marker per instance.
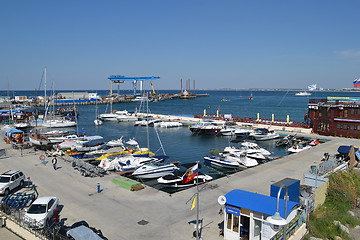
(116, 143)
(262, 134)
(89, 143)
(222, 161)
(149, 122)
(140, 98)
(168, 124)
(108, 117)
(305, 93)
(228, 131)
(253, 147)
(175, 180)
(154, 170)
(127, 162)
(125, 116)
(298, 148)
(235, 154)
(243, 132)
(98, 122)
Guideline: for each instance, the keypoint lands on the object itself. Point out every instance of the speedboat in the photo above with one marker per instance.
(262, 134)
(222, 161)
(253, 147)
(234, 154)
(286, 141)
(154, 170)
(175, 180)
(298, 148)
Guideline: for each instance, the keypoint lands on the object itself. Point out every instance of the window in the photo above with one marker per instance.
(51, 202)
(229, 218)
(236, 223)
(352, 111)
(345, 126)
(358, 127)
(352, 127)
(338, 126)
(345, 113)
(13, 178)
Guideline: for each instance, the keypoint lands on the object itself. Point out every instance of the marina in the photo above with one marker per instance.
(218, 172)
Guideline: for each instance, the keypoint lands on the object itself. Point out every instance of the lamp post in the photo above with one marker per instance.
(276, 219)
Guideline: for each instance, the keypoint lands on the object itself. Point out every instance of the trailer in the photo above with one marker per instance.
(87, 169)
(19, 200)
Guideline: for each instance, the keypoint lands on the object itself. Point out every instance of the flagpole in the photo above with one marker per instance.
(197, 206)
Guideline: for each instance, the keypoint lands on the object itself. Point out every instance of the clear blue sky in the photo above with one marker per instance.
(220, 44)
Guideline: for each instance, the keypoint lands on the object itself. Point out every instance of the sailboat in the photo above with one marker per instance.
(251, 96)
(97, 121)
(36, 138)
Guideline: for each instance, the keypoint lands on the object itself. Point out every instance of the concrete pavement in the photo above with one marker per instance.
(117, 211)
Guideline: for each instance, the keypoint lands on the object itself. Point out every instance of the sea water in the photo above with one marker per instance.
(179, 143)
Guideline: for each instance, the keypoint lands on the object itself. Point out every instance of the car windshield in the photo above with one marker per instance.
(37, 208)
(4, 179)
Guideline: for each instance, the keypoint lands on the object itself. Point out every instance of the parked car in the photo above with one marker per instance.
(40, 212)
(10, 180)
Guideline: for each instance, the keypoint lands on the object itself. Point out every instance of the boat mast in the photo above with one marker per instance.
(197, 205)
(45, 94)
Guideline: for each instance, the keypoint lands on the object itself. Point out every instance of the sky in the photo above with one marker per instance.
(219, 44)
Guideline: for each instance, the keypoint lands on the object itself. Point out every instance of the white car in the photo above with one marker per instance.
(10, 180)
(40, 212)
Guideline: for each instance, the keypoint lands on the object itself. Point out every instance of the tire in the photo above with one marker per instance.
(21, 184)
(6, 192)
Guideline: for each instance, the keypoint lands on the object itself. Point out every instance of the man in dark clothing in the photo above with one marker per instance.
(54, 162)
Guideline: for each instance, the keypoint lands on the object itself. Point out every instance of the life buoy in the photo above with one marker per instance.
(42, 157)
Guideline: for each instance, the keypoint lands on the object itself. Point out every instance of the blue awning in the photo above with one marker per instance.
(258, 202)
(346, 149)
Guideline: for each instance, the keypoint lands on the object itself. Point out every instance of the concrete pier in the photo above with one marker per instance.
(118, 211)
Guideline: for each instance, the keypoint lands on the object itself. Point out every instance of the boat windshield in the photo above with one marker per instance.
(37, 209)
(4, 179)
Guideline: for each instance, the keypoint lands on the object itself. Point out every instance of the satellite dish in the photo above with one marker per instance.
(222, 200)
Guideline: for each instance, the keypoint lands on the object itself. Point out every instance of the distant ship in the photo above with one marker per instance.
(305, 93)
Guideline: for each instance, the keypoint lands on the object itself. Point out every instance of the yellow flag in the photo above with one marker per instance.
(193, 203)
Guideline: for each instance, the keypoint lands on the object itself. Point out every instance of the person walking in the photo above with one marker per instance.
(54, 162)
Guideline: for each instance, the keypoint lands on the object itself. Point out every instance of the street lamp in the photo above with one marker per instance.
(276, 220)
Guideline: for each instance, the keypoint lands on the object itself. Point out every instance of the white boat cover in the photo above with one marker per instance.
(83, 233)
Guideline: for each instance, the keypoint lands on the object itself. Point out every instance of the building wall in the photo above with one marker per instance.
(320, 194)
(336, 119)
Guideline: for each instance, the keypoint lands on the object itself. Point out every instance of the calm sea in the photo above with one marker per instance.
(179, 144)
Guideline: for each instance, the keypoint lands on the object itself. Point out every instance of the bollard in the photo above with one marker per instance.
(98, 187)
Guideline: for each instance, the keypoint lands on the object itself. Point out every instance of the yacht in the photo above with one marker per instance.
(206, 128)
(305, 93)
